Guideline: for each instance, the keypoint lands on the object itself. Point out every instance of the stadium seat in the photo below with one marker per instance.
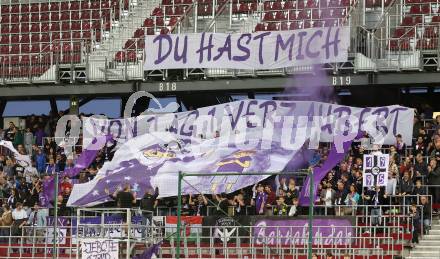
(289, 5)
(272, 26)
(280, 16)
(260, 27)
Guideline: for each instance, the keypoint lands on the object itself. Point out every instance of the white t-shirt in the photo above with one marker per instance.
(16, 215)
(328, 197)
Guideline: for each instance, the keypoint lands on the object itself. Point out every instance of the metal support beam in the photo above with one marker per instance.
(2, 110)
(53, 105)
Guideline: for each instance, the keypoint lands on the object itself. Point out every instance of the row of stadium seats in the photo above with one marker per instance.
(420, 20)
(302, 14)
(30, 32)
(59, 6)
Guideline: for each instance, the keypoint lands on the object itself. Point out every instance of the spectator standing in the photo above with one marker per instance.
(328, 197)
(200, 206)
(239, 205)
(351, 201)
(281, 208)
(9, 133)
(28, 141)
(295, 209)
(260, 200)
(434, 179)
(20, 217)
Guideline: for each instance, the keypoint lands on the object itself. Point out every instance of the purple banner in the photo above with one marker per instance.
(320, 172)
(332, 231)
(83, 161)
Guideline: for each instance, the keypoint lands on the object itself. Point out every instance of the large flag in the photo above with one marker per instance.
(87, 156)
(154, 160)
(23, 160)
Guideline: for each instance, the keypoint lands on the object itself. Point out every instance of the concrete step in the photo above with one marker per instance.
(424, 247)
(430, 243)
(431, 237)
(420, 254)
(434, 232)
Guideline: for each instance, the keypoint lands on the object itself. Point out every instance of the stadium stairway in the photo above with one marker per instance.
(123, 30)
(429, 246)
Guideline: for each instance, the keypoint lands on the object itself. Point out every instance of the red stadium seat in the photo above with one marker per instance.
(15, 19)
(131, 56)
(44, 17)
(55, 27)
(267, 6)
(15, 28)
(415, 9)
(5, 29)
(35, 17)
(284, 26)
(65, 16)
(173, 21)
(85, 5)
(25, 38)
(149, 22)
(5, 9)
(418, 19)
(280, 16)
(15, 49)
(436, 19)
(294, 25)
(179, 10)
(276, 6)
(15, 38)
(65, 6)
(5, 39)
(244, 7)
(268, 16)
(272, 26)
(74, 5)
(140, 43)
(407, 21)
(44, 7)
(164, 31)
(24, 18)
(312, 4)
(5, 19)
(260, 27)
(399, 32)
(425, 9)
(15, 9)
(65, 26)
(35, 48)
(54, 7)
(169, 10)
(24, 9)
(289, 5)
(292, 15)
(54, 16)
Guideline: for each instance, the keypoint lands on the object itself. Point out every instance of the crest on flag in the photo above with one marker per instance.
(375, 170)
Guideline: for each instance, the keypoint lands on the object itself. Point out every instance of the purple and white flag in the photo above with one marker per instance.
(23, 160)
(154, 160)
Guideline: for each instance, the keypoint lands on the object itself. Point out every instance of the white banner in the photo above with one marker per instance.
(375, 170)
(99, 248)
(254, 115)
(259, 50)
